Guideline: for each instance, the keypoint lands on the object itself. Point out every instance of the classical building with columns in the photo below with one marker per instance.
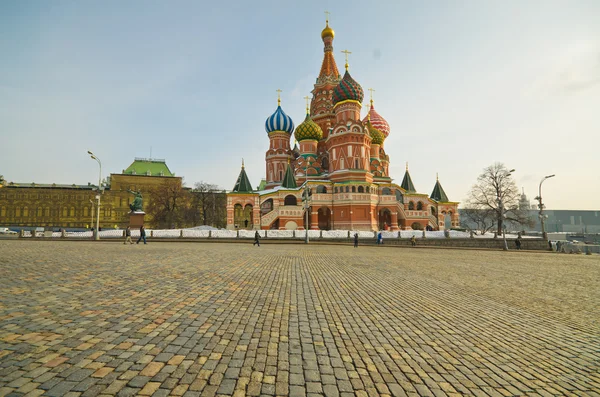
(338, 171)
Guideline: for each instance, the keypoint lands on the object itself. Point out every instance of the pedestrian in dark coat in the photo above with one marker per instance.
(355, 240)
(518, 243)
(256, 238)
(142, 235)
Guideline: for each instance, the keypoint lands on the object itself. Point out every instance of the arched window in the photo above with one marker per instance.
(432, 210)
(25, 212)
(353, 189)
(39, 211)
(386, 192)
(266, 206)
(47, 211)
(347, 189)
(65, 212)
(399, 196)
(72, 213)
(411, 205)
(420, 206)
(335, 189)
(290, 200)
(361, 189)
(321, 189)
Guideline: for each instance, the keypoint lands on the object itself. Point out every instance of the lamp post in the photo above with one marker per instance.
(541, 206)
(92, 202)
(92, 155)
(501, 208)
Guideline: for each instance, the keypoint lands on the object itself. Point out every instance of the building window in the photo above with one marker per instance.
(420, 206)
(65, 212)
(72, 213)
(411, 206)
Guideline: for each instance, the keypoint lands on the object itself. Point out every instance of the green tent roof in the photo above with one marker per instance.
(438, 193)
(243, 184)
(151, 167)
(288, 180)
(407, 183)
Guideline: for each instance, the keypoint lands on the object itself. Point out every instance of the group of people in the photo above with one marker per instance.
(128, 235)
(413, 239)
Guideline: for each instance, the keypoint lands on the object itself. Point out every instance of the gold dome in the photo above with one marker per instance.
(327, 31)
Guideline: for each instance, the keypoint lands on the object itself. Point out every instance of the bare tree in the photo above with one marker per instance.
(167, 204)
(483, 220)
(209, 204)
(496, 192)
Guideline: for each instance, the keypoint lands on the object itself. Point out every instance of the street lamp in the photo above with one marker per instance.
(541, 206)
(92, 155)
(307, 208)
(92, 202)
(501, 208)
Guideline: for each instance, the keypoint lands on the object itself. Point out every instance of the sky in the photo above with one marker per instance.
(463, 84)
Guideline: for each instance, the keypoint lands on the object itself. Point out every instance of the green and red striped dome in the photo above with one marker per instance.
(347, 89)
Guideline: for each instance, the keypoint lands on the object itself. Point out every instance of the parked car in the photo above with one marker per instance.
(5, 230)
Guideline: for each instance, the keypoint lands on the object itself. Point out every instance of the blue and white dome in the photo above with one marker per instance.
(279, 121)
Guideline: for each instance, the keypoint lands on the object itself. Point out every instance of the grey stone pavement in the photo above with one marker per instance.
(204, 319)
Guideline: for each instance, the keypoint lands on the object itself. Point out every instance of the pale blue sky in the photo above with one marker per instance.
(463, 84)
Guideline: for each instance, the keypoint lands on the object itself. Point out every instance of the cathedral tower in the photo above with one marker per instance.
(279, 126)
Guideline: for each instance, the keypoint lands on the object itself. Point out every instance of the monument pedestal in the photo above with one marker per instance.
(136, 219)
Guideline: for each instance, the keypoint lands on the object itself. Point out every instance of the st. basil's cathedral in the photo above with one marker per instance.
(338, 169)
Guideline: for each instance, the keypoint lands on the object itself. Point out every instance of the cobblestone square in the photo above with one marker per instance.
(204, 319)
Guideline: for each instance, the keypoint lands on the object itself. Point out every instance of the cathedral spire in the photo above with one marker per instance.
(329, 70)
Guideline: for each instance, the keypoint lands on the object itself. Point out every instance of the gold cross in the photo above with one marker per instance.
(327, 16)
(307, 98)
(371, 90)
(346, 52)
(278, 97)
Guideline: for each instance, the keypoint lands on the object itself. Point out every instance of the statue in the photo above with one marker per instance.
(137, 201)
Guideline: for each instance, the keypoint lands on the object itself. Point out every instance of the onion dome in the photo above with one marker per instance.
(347, 89)
(308, 129)
(279, 121)
(377, 137)
(378, 122)
(327, 32)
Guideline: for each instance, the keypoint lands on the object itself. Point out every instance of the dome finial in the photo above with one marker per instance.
(242, 163)
(346, 52)
(371, 90)
(327, 32)
(407, 166)
(307, 98)
(437, 177)
(278, 97)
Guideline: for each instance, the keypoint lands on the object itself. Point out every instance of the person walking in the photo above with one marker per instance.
(380, 238)
(355, 240)
(413, 240)
(128, 236)
(518, 243)
(256, 238)
(142, 234)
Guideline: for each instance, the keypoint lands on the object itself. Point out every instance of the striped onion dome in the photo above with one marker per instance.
(377, 121)
(377, 137)
(279, 121)
(308, 129)
(347, 89)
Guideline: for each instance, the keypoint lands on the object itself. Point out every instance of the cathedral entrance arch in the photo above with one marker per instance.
(242, 216)
(385, 219)
(324, 218)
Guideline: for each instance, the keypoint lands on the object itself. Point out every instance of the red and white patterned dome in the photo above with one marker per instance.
(377, 121)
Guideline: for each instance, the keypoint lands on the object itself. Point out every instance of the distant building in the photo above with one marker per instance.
(74, 206)
(557, 221)
(524, 203)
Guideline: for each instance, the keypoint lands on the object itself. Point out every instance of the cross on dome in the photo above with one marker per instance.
(346, 52)
(278, 97)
